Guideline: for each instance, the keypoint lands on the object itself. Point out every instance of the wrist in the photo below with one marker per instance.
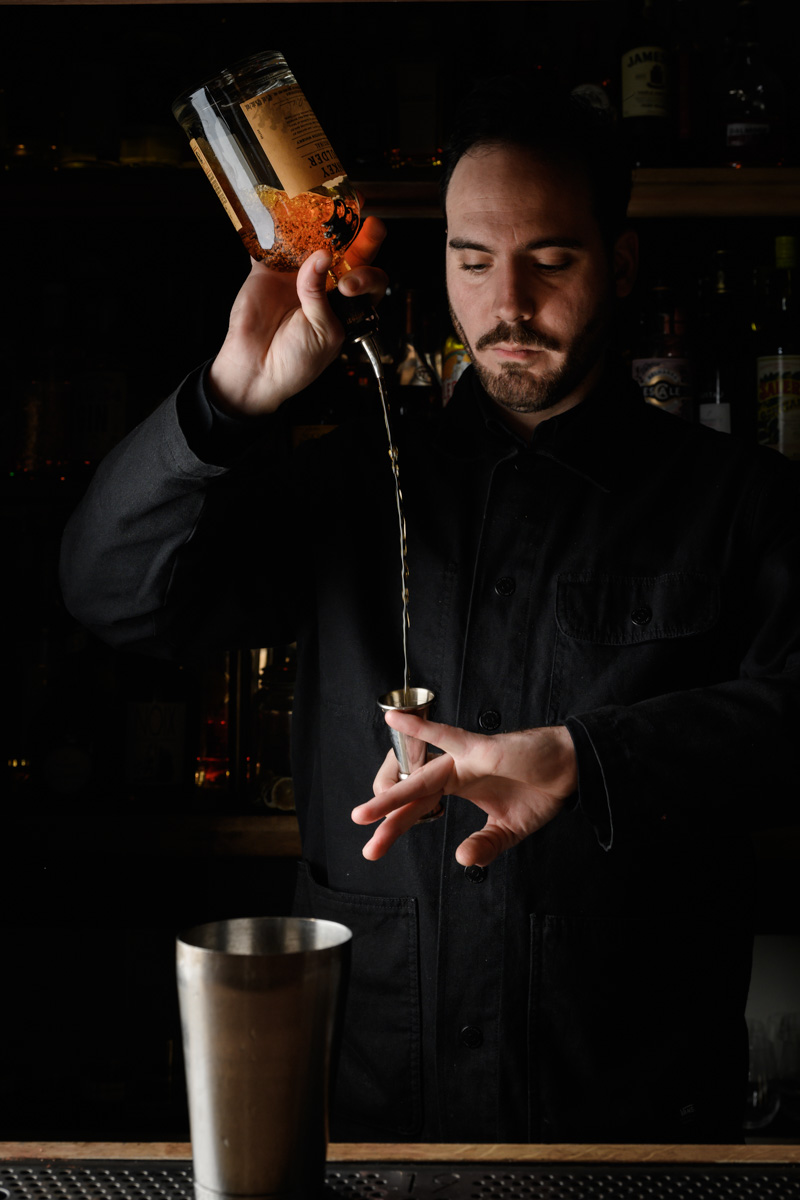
(565, 759)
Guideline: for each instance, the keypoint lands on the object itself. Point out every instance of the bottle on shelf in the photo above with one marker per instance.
(691, 91)
(455, 360)
(750, 100)
(724, 351)
(661, 362)
(648, 87)
(267, 748)
(417, 391)
(778, 359)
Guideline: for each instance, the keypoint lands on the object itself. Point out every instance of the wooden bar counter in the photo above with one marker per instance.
(426, 1152)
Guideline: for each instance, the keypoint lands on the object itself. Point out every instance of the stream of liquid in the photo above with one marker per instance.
(373, 354)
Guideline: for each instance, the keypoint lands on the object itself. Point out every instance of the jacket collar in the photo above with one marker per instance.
(593, 440)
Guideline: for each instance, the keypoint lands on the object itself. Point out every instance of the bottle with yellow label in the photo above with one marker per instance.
(275, 172)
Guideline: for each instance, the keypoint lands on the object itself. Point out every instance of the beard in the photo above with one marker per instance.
(515, 387)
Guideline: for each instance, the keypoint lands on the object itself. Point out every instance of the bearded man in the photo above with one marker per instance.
(604, 604)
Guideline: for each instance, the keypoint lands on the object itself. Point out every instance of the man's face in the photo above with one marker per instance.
(530, 283)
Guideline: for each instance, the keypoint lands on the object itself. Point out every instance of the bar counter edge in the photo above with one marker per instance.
(426, 1152)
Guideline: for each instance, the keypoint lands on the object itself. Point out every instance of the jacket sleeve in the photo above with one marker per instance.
(728, 753)
(166, 549)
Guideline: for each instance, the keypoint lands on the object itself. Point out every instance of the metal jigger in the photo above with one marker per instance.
(409, 751)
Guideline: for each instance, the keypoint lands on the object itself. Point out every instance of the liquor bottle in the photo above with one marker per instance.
(278, 177)
(691, 99)
(778, 361)
(647, 88)
(723, 355)
(661, 363)
(750, 101)
(269, 762)
(455, 361)
(417, 392)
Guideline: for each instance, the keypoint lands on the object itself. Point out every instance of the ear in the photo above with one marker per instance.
(625, 262)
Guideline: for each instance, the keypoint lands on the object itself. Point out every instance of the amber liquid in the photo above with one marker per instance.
(303, 224)
(374, 357)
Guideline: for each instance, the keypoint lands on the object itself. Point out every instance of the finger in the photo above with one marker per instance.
(483, 847)
(364, 281)
(311, 285)
(393, 828)
(453, 741)
(388, 774)
(367, 242)
(423, 784)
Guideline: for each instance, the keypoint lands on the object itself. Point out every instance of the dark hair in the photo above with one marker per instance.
(536, 114)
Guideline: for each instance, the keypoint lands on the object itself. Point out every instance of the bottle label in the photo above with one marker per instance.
(778, 393)
(212, 179)
(666, 383)
(746, 134)
(645, 82)
(299, 152)
(716, 416)
(455, 362)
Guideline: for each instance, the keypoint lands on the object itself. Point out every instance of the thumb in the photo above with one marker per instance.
(311, 292)
(484, 846)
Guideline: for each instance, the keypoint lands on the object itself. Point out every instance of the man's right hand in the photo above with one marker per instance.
(283, 332)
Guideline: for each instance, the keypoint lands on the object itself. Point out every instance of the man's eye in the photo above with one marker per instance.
(553, 267)
(475, 268)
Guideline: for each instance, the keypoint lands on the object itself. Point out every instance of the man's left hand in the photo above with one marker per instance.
(520, 780)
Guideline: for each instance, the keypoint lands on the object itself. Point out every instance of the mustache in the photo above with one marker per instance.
(517, 335)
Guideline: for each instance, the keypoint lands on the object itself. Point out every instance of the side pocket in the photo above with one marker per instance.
(378, 1081)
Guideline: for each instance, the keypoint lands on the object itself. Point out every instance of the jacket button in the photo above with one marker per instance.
(471, 1037)
(489, 720)
(505, 586)
(642, 616)
(475, 874)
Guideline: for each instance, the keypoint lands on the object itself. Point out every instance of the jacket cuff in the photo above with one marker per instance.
(593, 795)
(216, 438)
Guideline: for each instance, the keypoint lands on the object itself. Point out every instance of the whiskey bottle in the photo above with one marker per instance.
(647, 88)
(275, 172)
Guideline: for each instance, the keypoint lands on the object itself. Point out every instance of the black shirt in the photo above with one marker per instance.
(624, 573)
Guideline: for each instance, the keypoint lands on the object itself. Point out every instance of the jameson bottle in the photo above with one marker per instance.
(273, 169)
(648, 88)
(778, 361)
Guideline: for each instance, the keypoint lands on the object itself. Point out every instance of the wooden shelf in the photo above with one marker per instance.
(667, 192)
(716, 192)
(99, 193)
(144, 834)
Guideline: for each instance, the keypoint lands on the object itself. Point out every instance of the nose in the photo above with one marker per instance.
(514, 298)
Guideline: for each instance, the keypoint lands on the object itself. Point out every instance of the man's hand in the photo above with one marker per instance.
(520, 780)
(283, 333)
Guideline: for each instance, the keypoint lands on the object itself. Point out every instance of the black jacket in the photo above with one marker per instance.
(626, 573)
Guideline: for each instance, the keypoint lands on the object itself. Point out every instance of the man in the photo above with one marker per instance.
(604, 602)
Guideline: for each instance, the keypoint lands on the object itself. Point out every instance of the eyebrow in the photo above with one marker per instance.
(561, 243)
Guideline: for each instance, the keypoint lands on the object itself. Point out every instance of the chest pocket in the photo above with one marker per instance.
(626, 610)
